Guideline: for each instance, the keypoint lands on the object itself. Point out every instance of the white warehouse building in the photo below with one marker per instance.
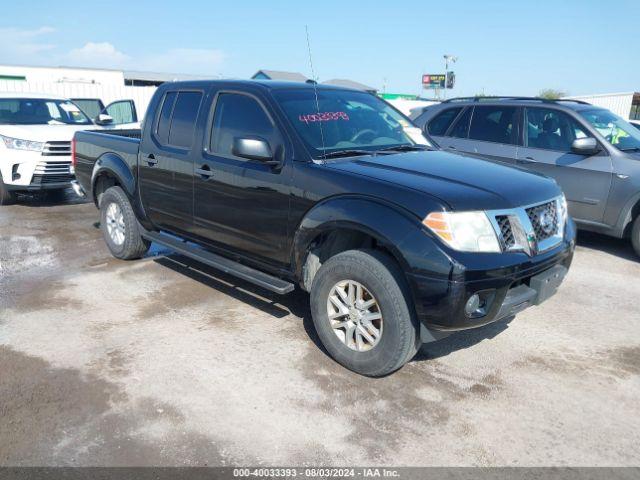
(625, 105)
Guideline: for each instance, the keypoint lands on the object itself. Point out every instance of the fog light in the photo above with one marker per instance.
(473, 305)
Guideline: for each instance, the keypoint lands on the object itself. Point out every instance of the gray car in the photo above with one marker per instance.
(593, 154)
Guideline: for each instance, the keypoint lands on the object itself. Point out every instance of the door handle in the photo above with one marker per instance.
(151, 160)
(204, 171)
(451, 147)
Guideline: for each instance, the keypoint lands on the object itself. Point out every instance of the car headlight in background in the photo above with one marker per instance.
(464, 231)
(18, 144)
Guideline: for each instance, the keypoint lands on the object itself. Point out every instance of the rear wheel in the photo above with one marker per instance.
(6, 196)
(120, 226)
(635, 235)
(363, 313)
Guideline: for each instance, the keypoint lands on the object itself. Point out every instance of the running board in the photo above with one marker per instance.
(264, 280)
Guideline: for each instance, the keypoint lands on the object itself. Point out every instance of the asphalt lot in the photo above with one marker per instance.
(158, 362)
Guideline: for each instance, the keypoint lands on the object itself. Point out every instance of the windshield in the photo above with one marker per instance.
(615, 130)
(346, 120)
(40, 111)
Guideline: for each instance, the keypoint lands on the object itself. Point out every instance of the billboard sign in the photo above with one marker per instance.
(430, 80)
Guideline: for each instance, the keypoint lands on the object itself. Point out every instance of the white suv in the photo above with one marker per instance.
(35, 142)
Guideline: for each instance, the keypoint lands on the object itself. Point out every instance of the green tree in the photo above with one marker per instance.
(552, 94)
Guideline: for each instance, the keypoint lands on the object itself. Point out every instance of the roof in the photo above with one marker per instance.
(280, 75)
(47, 96)
(159, 76)
(343, 82)
(266, 84)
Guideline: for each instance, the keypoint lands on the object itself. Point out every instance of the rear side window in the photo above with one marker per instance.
(494, 124)
(461, 127)
(238, 115)
(441, 122)
(183, 120)
(164, 120)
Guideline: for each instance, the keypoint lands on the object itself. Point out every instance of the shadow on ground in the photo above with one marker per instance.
(620, 247)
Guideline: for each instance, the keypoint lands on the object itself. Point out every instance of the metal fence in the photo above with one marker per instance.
(107, 93)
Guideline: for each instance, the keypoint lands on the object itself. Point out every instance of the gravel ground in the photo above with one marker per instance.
(163, 362)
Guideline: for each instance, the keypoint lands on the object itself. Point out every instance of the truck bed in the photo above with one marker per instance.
(91, 145)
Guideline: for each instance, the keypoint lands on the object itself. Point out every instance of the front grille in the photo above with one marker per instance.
(53, 167)
(544, 219)
(57, 149)
(49, 179)
(506, 231)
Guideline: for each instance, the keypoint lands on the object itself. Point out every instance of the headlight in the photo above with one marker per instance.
(564, 210)
(17, 144)
(464, 231)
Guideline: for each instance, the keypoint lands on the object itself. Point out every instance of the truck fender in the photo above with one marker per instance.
(113, 165)
(395, 229)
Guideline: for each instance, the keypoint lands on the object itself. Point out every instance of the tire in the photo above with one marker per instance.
(116, 215)
(382, 279)
(6, 196)
(635, 235)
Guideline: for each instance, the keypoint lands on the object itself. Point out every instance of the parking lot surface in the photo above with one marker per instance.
(164, 362)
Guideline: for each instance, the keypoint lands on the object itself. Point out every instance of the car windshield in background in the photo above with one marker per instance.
(619, 133)
(40, 111)
(344, 120)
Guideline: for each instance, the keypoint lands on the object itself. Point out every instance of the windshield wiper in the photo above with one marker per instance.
(405, 148)
(631, 149)
(347, 153)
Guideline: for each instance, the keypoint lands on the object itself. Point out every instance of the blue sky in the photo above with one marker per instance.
(504, 47)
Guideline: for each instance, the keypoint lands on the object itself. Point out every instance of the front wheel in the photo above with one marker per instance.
(6, 196)
(635, 235)
(120, 226)
(363, 313)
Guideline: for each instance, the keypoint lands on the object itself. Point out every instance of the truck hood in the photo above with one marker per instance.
(464, 183)
(43, 133)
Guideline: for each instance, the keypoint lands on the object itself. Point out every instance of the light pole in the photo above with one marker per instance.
(447, 58)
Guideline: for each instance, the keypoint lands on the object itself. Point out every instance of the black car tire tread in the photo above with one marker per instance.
(635, 235)
(6, 196)
(382, 276)
(134, 245)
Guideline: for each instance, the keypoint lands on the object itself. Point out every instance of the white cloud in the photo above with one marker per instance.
(31, 47)
(19, 46)
(101, 54)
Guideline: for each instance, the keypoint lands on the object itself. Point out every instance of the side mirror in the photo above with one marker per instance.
(585, 146)
(104, 119)
(254, 148)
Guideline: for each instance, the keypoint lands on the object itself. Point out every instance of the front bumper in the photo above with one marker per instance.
(32, 171)
(508, 286)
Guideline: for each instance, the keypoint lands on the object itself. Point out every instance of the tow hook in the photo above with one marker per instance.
(77, 188)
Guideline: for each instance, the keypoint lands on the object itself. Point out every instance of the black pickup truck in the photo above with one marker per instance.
(330, 190)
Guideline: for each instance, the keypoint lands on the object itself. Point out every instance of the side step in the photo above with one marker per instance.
(264, 280)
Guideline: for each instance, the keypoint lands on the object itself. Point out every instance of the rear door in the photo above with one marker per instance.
(239, 203)
(585, 180)
(493, 133)
(166, 161)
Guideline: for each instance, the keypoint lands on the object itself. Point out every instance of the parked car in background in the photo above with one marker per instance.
(593, 154)
(120, 114)
(35, 142)
(285, 184)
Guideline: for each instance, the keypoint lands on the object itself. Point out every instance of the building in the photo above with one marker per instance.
(626, 105)
(343, 82)
(279, 75)
(90, 76)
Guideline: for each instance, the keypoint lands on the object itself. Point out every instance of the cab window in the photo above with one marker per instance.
(551, 129)
(495, 124)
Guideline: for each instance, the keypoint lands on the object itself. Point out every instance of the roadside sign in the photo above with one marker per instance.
(431, 80)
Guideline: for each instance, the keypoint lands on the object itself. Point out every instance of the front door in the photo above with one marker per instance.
(166, 162)
(239, 203)
(585, 180)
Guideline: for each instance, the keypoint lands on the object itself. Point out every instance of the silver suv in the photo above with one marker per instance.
(593, 154)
